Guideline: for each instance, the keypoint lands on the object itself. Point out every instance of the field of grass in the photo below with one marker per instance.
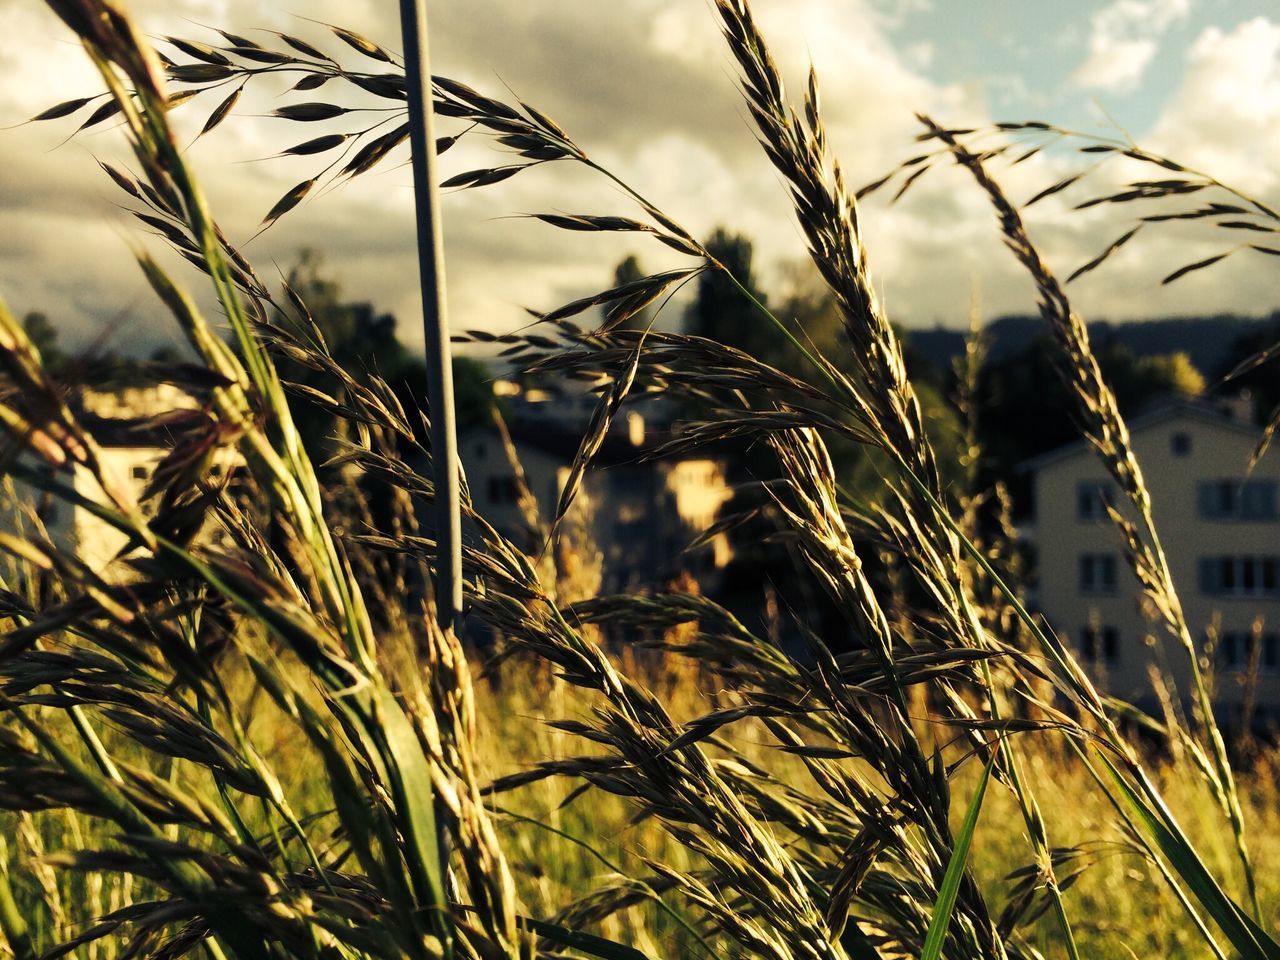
(269, 743)
(560, 846)
(552, 871)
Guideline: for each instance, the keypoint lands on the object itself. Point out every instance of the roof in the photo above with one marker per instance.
(561, 441)
(139, 433)
(1169, 409)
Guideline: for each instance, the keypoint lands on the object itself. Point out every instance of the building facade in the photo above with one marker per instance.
(1219, 526)
(638, 509)
(128, 425)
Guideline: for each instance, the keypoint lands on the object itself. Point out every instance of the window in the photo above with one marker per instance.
(1092, 497)
(1098, 573)
(1180, 444)
(139, 472)
(1238, 576)
(1229, 649)
(632, 531)
(1100, 644)
(1236, 651)
(1236, 499)
(503, 490)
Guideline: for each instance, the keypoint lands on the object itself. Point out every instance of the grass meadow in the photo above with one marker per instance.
(255, 736)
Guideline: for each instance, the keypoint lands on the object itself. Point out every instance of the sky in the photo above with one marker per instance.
(648, 89)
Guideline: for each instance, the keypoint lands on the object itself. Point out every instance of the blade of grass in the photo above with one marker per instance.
(587, 943)
(1245, 935)
(657, 898)
(444, 441)
(950, 888)
(13, 928)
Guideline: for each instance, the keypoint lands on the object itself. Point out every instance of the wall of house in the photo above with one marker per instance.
(97, 542)
(639, 516)
(1177, 456)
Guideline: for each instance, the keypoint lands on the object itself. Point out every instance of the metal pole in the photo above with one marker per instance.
(435, 322)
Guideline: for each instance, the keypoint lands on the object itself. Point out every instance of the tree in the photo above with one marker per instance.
(1261, 382)
(629, 270)
(365, 342)
(472, 392)
(721, 311)
(359, 337)
(45, 337)
(1024, 407)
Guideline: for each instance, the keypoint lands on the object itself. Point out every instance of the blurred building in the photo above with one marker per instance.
(1219, 527)
(638, 507)
(129, 425)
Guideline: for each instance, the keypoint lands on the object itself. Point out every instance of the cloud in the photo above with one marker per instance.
(1124, 39)
(1225, 116)
(647, 88)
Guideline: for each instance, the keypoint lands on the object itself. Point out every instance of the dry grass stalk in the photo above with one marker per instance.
(1099, 414)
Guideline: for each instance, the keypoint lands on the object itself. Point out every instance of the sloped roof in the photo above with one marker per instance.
(1167, 410)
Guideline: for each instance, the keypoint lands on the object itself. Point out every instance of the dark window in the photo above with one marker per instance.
(1258, 500)
(1100, 643)
(1097, 573)
(1238, 576)
(1180, 444)
(139, 473)
(503, 490)
(1234, 499)
(1229, 649)
(1092, 497)
(1236, 650)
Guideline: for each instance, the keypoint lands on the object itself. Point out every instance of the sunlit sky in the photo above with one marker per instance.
(647, 87)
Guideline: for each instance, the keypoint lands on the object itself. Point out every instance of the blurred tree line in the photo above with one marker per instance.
(1019, 404)
(366, 343)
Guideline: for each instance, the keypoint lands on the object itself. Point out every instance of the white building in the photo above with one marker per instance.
(127, 424)
(1219, 527)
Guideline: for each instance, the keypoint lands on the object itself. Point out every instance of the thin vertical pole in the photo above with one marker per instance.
(435, 317)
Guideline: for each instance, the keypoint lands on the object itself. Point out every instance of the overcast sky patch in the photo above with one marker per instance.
(646, 87)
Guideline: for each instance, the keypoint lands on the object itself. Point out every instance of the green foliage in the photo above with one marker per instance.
(629, 270)
(44, 336)
(1024, 410)
(472, 392)
(799, 799)
(721, 311)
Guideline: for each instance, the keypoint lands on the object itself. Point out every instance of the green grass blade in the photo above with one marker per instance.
(415, 802)
(616, 868)
(13, 928)
(1245, 935)
(587, 943)
(857, 944)
(950, 888)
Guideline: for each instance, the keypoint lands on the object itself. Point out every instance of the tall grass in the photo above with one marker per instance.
(261, 745)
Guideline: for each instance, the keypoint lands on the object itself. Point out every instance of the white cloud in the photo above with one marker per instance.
(644, 85)
(647, 88)
(1223, 119)
(1124, 39)
(1225, 116)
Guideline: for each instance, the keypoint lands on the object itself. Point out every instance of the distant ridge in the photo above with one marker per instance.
(1207, 340)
